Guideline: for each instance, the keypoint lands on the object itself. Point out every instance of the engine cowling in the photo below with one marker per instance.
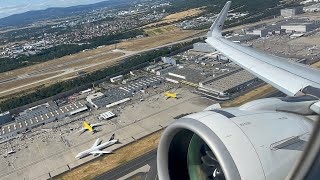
(232, 144)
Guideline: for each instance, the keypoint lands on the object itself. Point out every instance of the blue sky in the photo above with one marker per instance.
(9, 7)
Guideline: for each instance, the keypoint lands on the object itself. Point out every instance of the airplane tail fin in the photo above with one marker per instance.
(87, 126)
(112, 137)
(215, 29)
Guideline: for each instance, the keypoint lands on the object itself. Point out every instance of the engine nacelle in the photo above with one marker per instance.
(232, 144)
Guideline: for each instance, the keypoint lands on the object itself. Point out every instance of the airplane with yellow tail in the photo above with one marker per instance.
(89, 127)
(171, 95)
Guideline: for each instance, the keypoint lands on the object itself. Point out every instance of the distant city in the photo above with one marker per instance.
(78, 29)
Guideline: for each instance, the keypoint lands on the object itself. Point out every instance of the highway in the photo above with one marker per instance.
(149, 158)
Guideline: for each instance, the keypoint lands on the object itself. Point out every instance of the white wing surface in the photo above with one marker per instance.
(97, 124)
(287, 76)
(82, 130)
(100, 152)
(96, 143)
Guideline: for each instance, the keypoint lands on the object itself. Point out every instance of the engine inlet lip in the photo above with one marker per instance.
(226, 162)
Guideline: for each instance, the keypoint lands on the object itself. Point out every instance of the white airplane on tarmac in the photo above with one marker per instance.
(96, 148)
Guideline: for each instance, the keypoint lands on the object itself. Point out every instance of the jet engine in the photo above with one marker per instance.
(246, 142)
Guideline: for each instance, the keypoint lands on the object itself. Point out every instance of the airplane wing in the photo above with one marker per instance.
(289, 77)
(100, 152)
(97, 124)
(96, 143)
(82, 130)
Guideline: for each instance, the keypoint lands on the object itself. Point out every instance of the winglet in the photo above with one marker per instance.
(215, 29)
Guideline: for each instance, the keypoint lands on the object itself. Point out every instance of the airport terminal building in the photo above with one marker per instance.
(39, 115)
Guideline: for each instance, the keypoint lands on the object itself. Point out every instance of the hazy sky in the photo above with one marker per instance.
(9, 7)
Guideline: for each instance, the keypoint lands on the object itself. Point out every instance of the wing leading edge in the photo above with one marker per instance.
(289, 77)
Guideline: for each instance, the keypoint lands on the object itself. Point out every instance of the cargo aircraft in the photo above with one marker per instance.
(89, 127)
(97, 146)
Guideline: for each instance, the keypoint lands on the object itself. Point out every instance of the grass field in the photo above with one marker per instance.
(160, 30)
(25, 81)
(178, 16)
(132, 45)
(316, 65)
(30, 83)
(156, 40)
(54, 62)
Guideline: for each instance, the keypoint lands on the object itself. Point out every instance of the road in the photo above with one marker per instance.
(149, 158)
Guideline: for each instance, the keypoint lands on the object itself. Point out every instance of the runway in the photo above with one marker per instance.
(120, 172)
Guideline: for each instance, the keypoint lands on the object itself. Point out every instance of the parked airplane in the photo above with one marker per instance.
(260, 140)
(96, 148)
(88, 127)
(171, 95)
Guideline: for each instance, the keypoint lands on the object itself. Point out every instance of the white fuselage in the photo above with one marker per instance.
(99, 147)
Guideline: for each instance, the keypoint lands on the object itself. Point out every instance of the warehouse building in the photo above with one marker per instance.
(111, 96)
(142, 84)
(189, 76)
(298, 27)
(277, 27)
(243, 38)
(203, 47)
(122, 94)
(39, 117)
(91, 97)
(37, 111)
(162, 72)
(169, 60)
(290, 12)
(5, 118)
(260, 32)
(116, 79)
(106, 115)
(227, 83)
